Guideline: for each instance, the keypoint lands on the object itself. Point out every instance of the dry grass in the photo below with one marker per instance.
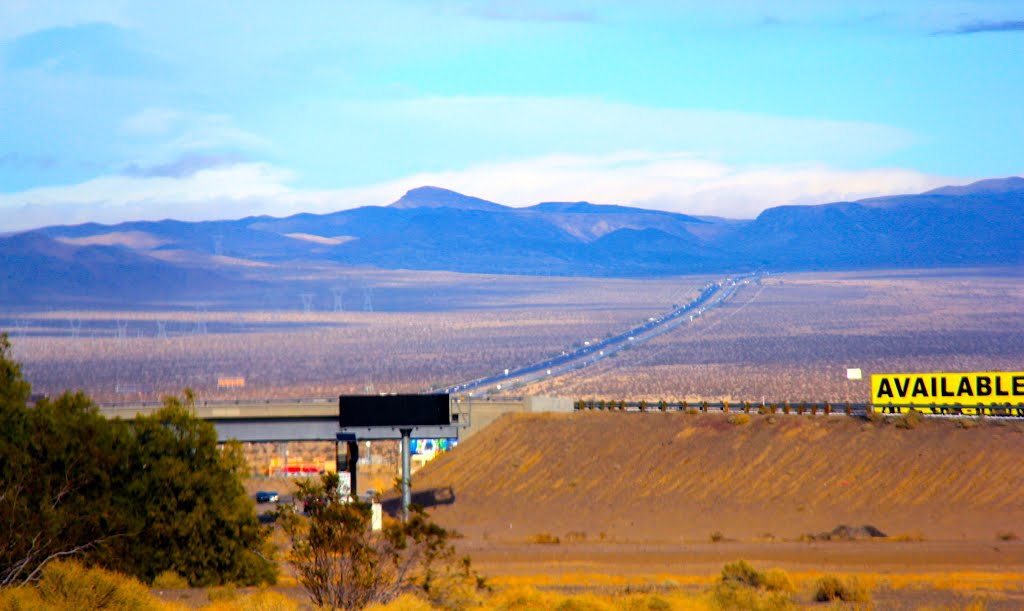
(260, 600)
(524, 598)
(569, 580)
(960, 581)
(68, 585)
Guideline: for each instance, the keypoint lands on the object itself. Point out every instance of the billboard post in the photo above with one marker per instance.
(406, 472)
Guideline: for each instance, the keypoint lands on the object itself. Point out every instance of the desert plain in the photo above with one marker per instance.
(926, 513)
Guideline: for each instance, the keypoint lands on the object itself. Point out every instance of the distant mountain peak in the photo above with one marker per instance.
(436, 197)
(1010, 184)
(584, 207)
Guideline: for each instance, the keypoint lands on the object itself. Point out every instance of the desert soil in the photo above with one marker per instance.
(634, 499)
(676, 478)
(640, 495)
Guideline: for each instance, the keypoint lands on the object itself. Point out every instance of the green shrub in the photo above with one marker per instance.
(342, 563)
(717, 537)
(227, 592)
(909, 420)
(141, 497)
(643, 602)
(742, 573)
(777, 580)
(69, 585)
(741, 586)
(23, 598)
(750, 599)
(739, 419)
(545, 539)
(830, 588)
(170, 580)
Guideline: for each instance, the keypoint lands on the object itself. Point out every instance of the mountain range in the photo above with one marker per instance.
(431, 228)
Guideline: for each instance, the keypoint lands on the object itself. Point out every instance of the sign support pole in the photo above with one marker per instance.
(406, 472)
(339, 466)
(352, 466)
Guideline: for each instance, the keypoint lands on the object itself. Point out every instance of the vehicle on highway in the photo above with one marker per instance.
(264, 496)
(311, 505)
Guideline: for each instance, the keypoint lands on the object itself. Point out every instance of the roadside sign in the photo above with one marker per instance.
(344, 485)
(973, 388)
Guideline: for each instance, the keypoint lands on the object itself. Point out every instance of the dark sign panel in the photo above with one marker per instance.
(393, 410)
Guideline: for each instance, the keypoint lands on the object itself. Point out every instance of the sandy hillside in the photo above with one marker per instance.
(672, 477)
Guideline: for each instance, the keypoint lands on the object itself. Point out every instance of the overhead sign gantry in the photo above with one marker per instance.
(401, 417)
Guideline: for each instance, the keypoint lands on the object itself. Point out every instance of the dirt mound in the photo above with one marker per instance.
(847, 533)
(672, 477)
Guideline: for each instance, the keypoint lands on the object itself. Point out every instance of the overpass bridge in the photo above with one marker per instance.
(255, 421)
(317, 419)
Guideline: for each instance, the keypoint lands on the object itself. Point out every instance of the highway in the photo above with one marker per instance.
(711, 296)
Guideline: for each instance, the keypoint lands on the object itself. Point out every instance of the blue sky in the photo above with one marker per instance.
(138, 110)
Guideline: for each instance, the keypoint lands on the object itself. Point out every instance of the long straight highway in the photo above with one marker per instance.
(711, 296)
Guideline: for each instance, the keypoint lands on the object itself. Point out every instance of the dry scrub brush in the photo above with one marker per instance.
(343, 564)
(830, 588)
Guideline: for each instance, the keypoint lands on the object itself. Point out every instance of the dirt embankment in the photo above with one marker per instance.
(674, 477)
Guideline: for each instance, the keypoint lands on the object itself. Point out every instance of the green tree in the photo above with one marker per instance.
(139, 496)
(62, 464)
(192, 513)
(14, 390)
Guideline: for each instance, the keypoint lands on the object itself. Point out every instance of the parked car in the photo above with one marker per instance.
(264, 496)
(309, 505)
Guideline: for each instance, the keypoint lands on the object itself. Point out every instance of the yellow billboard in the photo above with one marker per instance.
(976, 388)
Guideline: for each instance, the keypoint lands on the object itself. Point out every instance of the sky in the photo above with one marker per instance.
(132, 110)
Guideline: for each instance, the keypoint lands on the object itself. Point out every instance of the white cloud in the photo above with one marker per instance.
(168, 132)
(218, 193)
(152, 121)
(677, 182)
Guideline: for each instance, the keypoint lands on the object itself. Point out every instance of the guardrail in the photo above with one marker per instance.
(114, 405)
(823, 408)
